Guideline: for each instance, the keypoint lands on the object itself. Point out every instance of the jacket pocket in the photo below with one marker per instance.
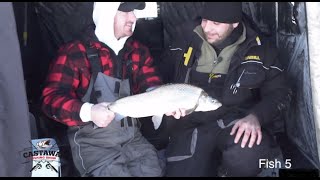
(251, 74)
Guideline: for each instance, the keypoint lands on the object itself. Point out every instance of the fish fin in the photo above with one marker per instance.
(157, 119)
(189, 111)
(118, 117)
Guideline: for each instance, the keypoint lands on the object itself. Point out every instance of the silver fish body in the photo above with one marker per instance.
(164, 99)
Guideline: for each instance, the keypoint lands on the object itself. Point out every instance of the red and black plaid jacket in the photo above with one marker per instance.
(69, 77)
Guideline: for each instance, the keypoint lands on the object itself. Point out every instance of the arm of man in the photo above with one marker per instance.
(275, 96)
(275, 92)
(59, 98)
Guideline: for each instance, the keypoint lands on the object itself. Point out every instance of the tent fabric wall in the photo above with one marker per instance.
(293, 48)
(64, 21)
(174, 13)
(35, 54)
(313, 16)
(14, 115)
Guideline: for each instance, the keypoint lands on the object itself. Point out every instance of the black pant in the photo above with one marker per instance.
(214, 147)
(159, 138)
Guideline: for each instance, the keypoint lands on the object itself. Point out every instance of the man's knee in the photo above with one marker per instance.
(238, 161)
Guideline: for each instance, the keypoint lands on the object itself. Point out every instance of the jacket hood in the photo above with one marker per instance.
(103, 18)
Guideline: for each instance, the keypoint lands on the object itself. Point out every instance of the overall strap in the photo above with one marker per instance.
(128, 65)
(129, 68)
(94, 60)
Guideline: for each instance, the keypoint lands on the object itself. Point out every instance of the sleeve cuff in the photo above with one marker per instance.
(259, 114)
(85, 112)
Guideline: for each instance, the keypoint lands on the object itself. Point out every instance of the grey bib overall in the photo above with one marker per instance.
(118, 149)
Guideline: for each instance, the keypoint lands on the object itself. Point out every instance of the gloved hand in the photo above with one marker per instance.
(101, 115)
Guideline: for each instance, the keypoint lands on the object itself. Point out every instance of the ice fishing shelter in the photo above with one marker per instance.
(31, 33)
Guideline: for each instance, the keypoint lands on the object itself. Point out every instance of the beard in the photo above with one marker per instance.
(223, 36)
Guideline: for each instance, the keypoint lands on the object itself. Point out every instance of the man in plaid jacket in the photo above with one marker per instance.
(72, 95)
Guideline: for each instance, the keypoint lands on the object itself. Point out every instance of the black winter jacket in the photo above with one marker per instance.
(255, 81)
